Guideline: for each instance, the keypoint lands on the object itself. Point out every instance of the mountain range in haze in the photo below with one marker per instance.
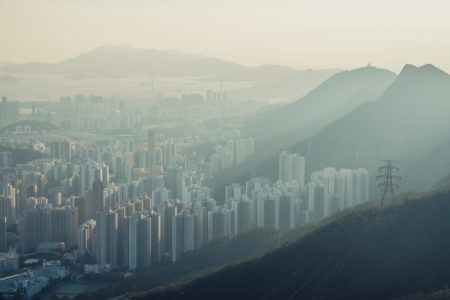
(334, 98)
(350, 120)
(124, 61)
(119, 62)
(408, 122)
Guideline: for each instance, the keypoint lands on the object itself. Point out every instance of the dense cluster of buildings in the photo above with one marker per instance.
(133, 199)
(103, 208)
(144, 232)
(29, 283)
(131, 207)
(231, 152)
(124, 201)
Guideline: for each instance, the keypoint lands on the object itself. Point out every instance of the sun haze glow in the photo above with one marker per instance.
(316, 34)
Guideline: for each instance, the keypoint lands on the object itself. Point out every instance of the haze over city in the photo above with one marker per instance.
(224, 149)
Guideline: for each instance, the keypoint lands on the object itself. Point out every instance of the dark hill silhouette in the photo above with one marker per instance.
(437, 295)
(369, 254)
(212, 256)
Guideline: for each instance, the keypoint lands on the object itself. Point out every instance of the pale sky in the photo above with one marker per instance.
(298, 33)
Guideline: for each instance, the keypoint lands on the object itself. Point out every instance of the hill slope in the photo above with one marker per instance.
(285, 127)
(407, 123)
(273, 85)
(212, 256)
(334, 98)
(122, 61)
(371, 254)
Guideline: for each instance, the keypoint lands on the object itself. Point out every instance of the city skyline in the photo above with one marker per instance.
(210, 149)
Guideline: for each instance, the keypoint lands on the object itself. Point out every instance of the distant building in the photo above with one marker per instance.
(169, 154)
(151, 139)
(54, 269)
(9, 110)
(138, 241)
(156, 244)
(286, 212)
(183, 234)
(97, 197)
(331, 191)
(61, 150)
(51, 247)
(291, 167)
(8, 203)
(86, 236)
(10, 284)
(271, 213)
(48, 224)
(220, 220)
(167, 211)
(9, 263)
(6, 160)
(107, 238)
(171, 180)
(3, 246)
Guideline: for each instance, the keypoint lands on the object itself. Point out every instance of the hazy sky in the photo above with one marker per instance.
(300, 33)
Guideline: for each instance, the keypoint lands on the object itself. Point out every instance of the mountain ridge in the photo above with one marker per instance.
(125, 61)
(328, 96)
(407, 121)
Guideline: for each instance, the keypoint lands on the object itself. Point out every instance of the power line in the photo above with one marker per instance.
(389, 183)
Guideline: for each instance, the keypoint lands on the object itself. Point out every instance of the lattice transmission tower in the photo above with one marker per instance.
(388, 180)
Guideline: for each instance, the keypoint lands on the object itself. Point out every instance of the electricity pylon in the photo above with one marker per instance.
(389, 183)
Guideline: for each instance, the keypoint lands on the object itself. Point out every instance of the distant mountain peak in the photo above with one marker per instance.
(409, 68)
(427, 69)
(360, 74)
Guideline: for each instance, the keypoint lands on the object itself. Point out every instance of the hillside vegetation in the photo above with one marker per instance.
(369, 254)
